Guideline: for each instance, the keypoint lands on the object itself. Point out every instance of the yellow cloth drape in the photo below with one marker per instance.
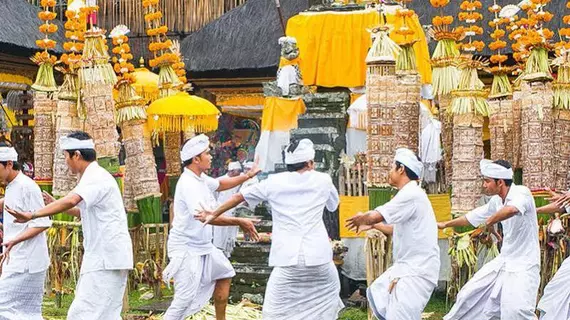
(333, 46)
(280, 114)
(252, 99)
(349, 206)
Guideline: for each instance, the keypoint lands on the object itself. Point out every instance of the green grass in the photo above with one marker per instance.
(435, 305)
(50, 312)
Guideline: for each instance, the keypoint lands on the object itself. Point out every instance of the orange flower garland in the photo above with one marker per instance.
(46, 28)
(439, 3)
(75, 27)
(497, 35)
(122, 65)
(470, 16)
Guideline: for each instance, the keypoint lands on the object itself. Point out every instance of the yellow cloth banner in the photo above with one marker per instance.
(333, 46)
(280, 114)
(349, 206)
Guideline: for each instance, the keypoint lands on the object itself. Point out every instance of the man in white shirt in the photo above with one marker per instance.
(108, 253)
(304, 283)
(555, 301)
(507, 286)
(403, 291)
(225, 236)
(25, 260)
(199, 268)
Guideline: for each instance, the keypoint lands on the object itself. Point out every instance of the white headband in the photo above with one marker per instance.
(8, 154)
(409, 159)
(495, 171)
(234, 166)
(194, 147)
(67, 143)
(304, 152)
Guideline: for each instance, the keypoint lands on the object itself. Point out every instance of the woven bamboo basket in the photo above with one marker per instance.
(467, 153)
(44, 129)
(172, 153)
(561, 148)
(66, 121)
(407, 113)
(446, 136)
(537, 141)
(501, 122)
(378, 249)
(100, 111)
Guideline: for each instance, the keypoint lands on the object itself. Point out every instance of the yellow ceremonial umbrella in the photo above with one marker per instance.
(181, 111)
(146, 84)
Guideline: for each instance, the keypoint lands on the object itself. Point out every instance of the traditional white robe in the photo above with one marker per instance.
(22, 279)
(507, 286)
(195, 263)
(107, 244)
(304, 283)
(416, 257)
(555, 302)
(225, 236)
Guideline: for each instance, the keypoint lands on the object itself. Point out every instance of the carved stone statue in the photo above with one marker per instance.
(289, 82)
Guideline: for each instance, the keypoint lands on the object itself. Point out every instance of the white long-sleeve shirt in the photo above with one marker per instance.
(297, 202)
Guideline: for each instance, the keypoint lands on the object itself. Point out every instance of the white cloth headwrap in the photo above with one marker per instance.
(194, 147)
(409, 159)
(304, 152)
(66, 143)
(495, 171)
(8, 154)
(234, 166)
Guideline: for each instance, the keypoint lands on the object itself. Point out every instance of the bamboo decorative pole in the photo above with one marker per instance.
(407, 114)
(142, 191)
(97, 78)
(537, 142)
(468, 106)
(501, 119)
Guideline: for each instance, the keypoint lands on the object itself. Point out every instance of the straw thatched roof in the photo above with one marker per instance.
(19, 28)
(244, 38)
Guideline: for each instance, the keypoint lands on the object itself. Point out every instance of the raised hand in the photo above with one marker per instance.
(248, 227)
(255, 170)
(48, 198)
(359, 220)
(19, 216)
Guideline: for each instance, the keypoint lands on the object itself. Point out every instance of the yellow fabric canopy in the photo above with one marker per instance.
(280, 114)
(333, 46)
(182, 111)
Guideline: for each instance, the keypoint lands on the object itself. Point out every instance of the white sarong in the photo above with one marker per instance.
(194, 281)
(21, 295)
(496, 293)
(303, 292)
(555, 302)
(407, 300)
(99, 295)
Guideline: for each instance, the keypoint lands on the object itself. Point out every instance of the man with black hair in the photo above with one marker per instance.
(304, 283)
(25, 261)
(108, 249)
(507, 286)
(199, 269)
(403, 291)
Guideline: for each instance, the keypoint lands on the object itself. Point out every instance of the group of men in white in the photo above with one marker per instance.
(304, 283)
